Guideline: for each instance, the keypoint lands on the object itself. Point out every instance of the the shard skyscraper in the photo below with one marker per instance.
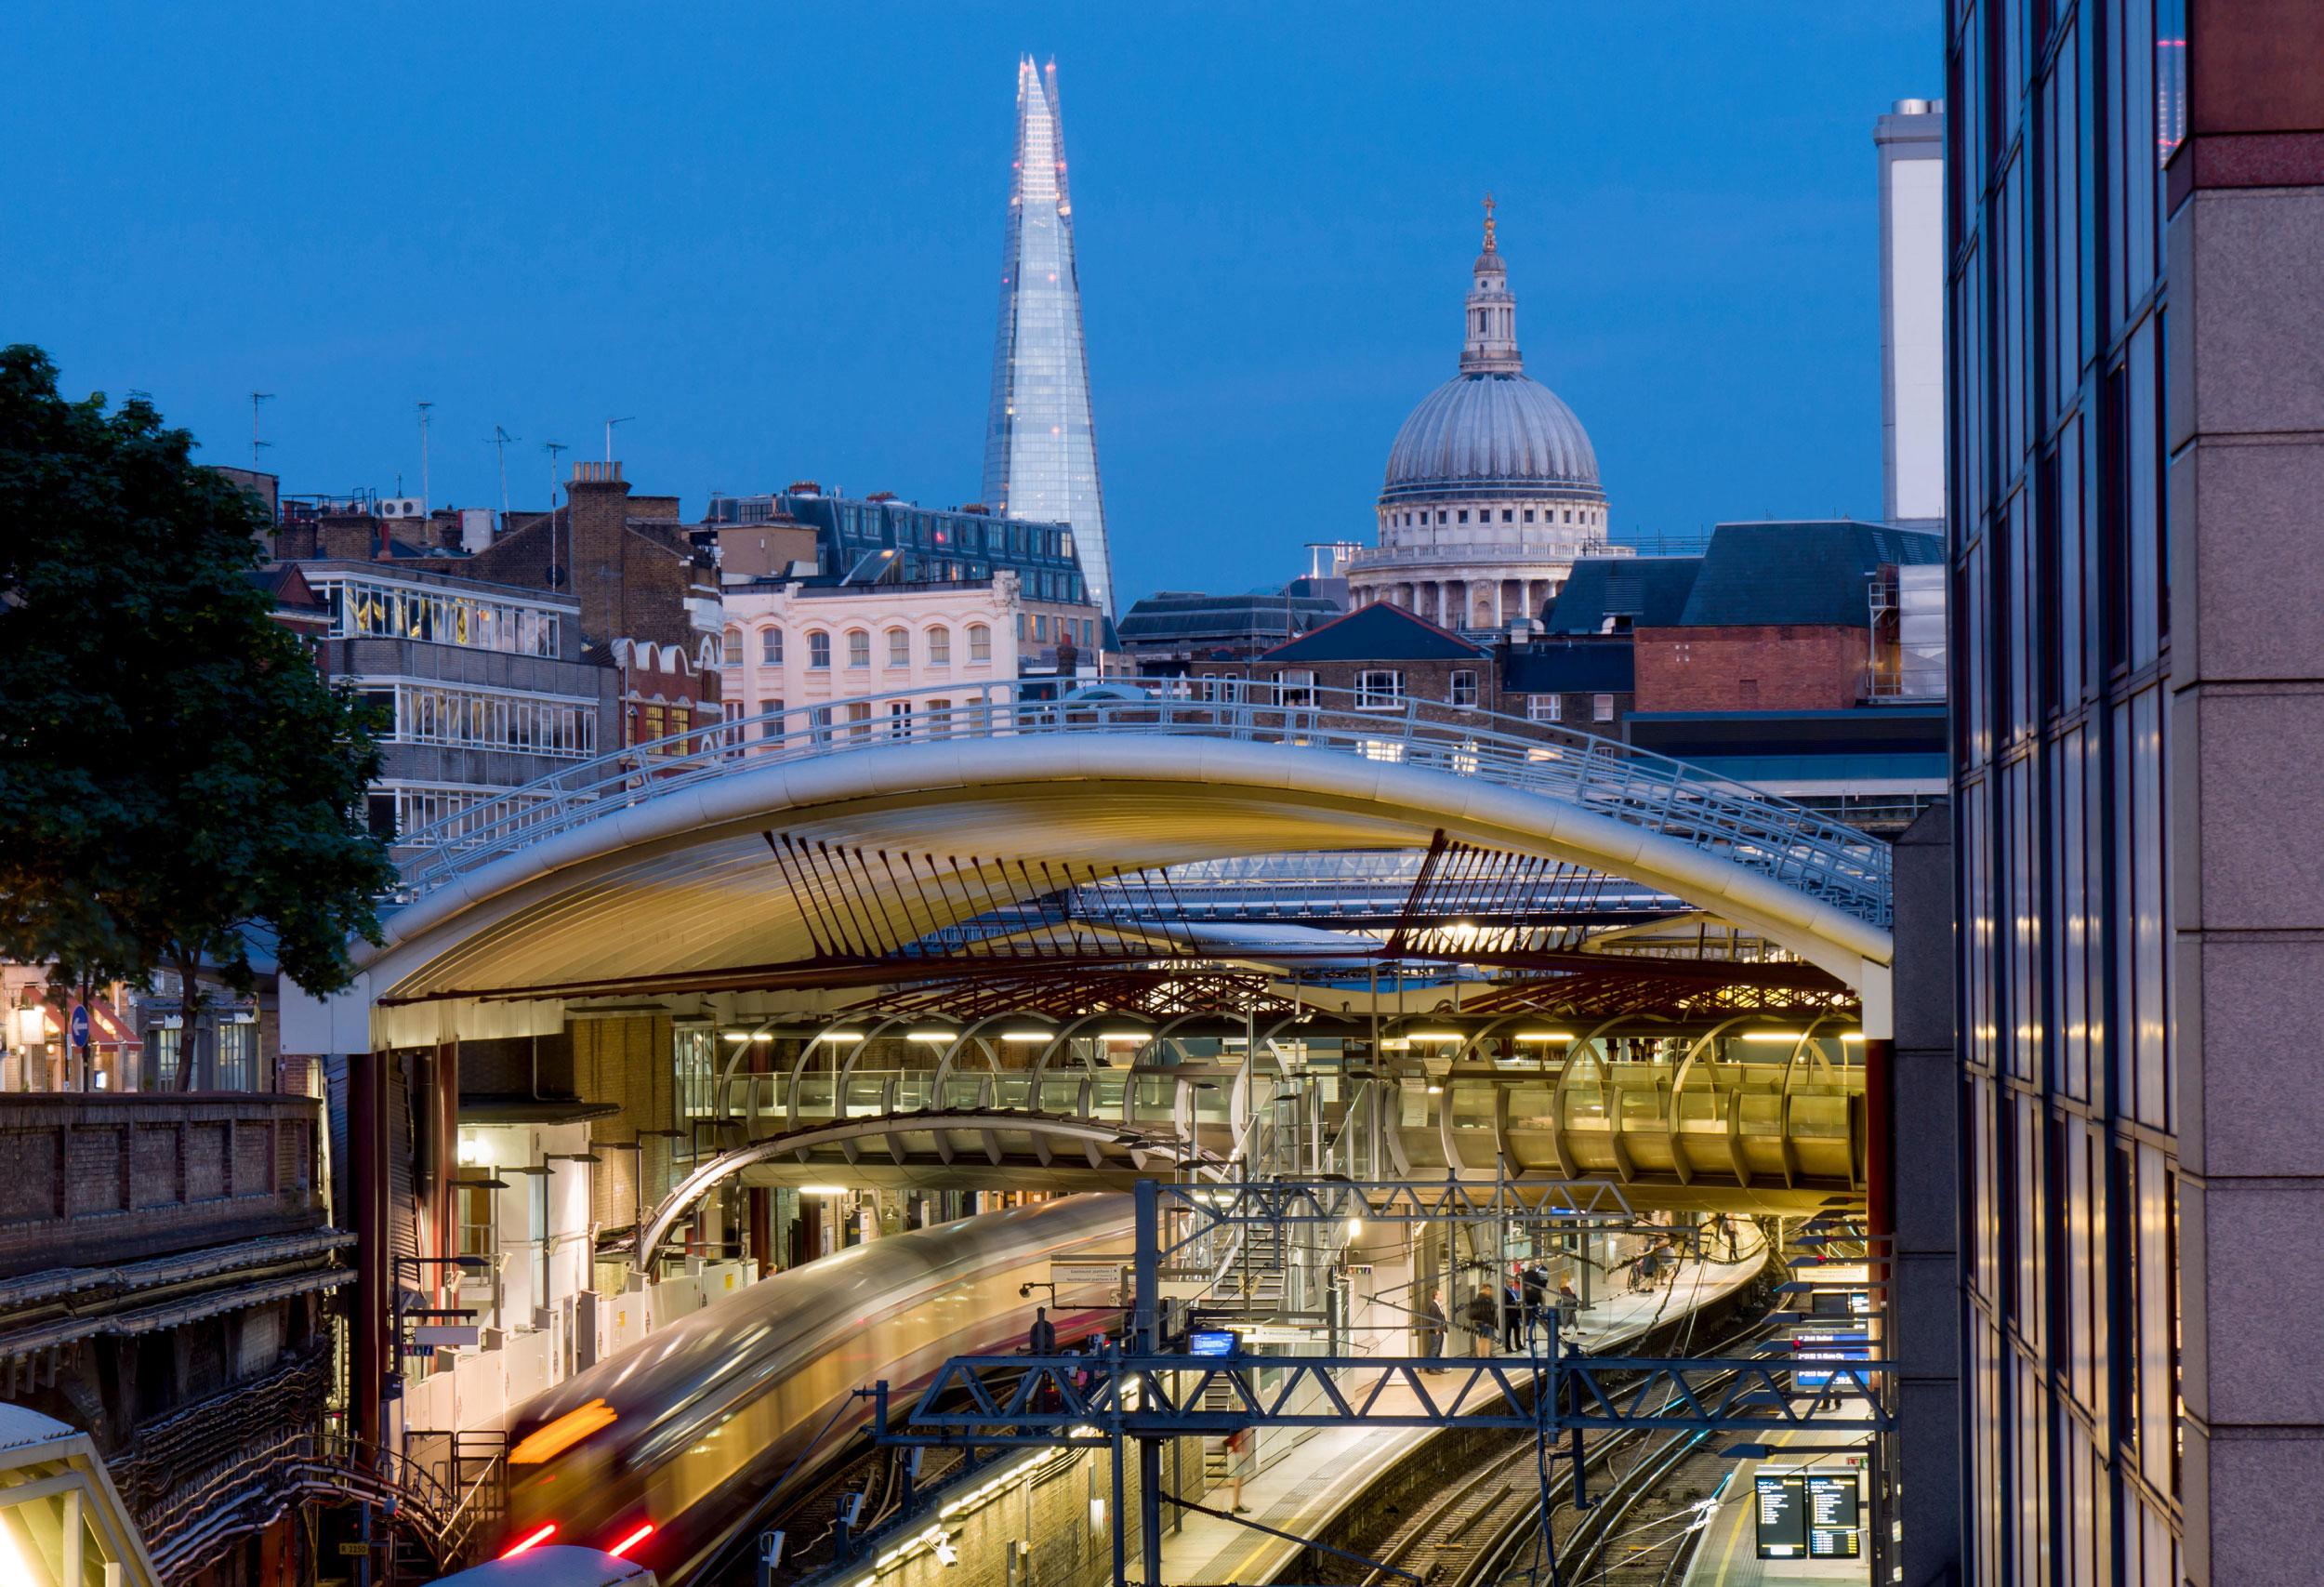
(1040, 449)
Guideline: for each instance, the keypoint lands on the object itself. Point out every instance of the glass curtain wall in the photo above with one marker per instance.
(1040, 447)
(2059, 118)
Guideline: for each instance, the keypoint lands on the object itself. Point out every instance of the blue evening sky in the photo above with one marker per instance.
(773, 235)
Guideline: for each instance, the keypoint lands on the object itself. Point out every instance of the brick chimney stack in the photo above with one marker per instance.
(598, 513)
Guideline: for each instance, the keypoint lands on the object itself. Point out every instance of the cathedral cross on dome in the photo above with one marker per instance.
(1488, 223)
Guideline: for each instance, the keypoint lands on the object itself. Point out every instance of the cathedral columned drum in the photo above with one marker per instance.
(1492, 491)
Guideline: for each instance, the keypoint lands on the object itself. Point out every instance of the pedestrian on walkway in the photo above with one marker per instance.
(1513, 1318)
(1568, 1305)
(1239, 1449)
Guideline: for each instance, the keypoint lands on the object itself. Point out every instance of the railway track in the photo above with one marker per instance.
(1478, 1528)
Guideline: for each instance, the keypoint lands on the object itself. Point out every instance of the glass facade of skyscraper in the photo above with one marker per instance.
(1040, 449)
(2123, 453)
(2062, 665)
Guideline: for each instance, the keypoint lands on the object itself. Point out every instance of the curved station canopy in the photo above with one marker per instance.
(743, 864)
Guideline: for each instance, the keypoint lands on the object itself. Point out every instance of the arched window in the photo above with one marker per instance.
(732, 652)
(980, 643)
(858, 648)
(771, 647)
(899, 647)
(940, 647)
(819, 651)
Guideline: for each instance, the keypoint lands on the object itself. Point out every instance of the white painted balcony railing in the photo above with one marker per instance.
(1786, 842)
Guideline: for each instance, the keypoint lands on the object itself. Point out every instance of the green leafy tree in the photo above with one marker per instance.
(178, 787)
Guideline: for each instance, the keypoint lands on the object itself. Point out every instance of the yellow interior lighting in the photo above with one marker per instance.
(546, 1443)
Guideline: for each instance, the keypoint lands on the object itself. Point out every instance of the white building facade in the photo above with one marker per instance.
(807, 651)
(1492, 489)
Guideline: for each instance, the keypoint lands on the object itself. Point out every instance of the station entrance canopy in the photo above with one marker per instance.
(736, 861)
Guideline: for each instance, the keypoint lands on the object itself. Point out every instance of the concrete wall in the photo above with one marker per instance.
(1922, 1141)
(2246, 428)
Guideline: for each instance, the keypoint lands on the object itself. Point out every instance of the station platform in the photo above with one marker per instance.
(1301, 1491)
(1729, 1555)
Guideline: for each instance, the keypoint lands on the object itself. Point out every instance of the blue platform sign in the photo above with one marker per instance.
(80, 1025)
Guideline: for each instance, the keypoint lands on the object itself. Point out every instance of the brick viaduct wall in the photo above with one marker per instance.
(95, 1178)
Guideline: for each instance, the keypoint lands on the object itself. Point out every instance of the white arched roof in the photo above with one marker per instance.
(685, 880)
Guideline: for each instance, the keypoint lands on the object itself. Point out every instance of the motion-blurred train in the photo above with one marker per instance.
(675, 1449)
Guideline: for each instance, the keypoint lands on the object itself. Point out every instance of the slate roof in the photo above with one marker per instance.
(1651, 592)
(1805, 573)
(1567, 668)
(1810, 572)
(1378, 632)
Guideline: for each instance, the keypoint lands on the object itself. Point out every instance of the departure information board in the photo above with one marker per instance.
(1808, 1514)
(1832, 1528)
(1782, 1500)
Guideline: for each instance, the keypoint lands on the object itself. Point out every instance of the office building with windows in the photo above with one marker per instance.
(2135, 264)
(1040, 445)
(484, 687)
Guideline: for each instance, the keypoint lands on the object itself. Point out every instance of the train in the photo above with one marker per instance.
(676, 1450)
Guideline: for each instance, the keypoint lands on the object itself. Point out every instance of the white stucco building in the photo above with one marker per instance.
(1492, 488)
(800, 648)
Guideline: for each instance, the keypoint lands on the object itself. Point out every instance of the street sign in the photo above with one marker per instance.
(444, 1336)
(1085, 1272)
(80, 1025)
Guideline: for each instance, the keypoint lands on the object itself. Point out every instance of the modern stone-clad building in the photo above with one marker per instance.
(2136, 309)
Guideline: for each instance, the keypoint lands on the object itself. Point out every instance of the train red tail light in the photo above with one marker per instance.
(542, 1536)
(633, 1540)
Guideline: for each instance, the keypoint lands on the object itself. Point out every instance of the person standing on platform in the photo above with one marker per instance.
(1512, 1317)
(1433, 1325)
(1568, 1305)
(1480, 1319)
(1535, 1281)
(1041, 1338)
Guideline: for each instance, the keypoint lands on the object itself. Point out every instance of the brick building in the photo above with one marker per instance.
(1378, 657)
(1771, 616)
(1779, 658)
(630, 561)
(168, 1279)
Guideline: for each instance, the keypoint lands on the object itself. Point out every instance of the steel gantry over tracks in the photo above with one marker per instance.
(1137, 1391)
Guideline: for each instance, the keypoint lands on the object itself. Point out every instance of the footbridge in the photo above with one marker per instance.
(800, 847)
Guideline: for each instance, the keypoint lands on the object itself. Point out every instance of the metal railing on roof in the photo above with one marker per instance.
(1775, 838)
